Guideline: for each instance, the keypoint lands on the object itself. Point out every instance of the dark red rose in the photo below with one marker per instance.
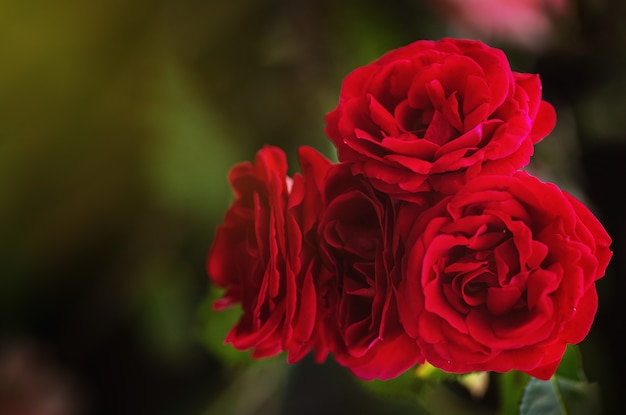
(359, 245)
(501, 275)
(433, 114)
(265, 255)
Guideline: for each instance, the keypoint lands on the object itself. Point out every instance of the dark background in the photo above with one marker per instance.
(118, 123)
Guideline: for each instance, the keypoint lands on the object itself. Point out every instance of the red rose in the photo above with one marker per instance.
(359, 244)
(501, 276)
(433, 114)
(265, 255)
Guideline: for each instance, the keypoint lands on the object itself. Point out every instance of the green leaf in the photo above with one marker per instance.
(567, 393)
(511, 389)
(411, 383)
(560, 396)
(212, 327)
(432, 391)
(571, 364)
(404, 386)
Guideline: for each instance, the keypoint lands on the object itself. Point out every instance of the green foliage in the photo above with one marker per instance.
(189, 161)
(571, 366)
(212, 327)
(406, 386)
(560, 396)
(511, 389)
(566, 393)
(429, 388)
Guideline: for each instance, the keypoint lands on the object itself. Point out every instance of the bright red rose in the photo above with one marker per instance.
(501, 276)
(265, 255)
(359, 245)
(433, 114)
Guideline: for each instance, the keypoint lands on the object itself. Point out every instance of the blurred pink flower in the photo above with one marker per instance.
(31, 383)
(526, 23)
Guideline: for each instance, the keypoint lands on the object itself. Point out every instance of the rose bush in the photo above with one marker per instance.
(265, 255)
(359, 246)
(426, 242)
(433, 114)
(501, 275)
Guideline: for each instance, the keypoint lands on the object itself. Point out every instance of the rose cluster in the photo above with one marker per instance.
(426, 241)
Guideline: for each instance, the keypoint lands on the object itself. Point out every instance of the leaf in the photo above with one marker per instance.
(560, 396)
(571, 364)
(567, 393)
(511, 389)
(213, 326)
(405, 386)
(432, 391)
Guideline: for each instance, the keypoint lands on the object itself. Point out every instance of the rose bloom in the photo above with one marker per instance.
(359, 244)
(528, 23)
(265, 255)
(433, 114)
(501, 275)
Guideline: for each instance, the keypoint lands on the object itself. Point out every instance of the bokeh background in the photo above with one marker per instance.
(119, 121)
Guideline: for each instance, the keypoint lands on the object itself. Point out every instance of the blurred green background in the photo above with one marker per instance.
(119, 121)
